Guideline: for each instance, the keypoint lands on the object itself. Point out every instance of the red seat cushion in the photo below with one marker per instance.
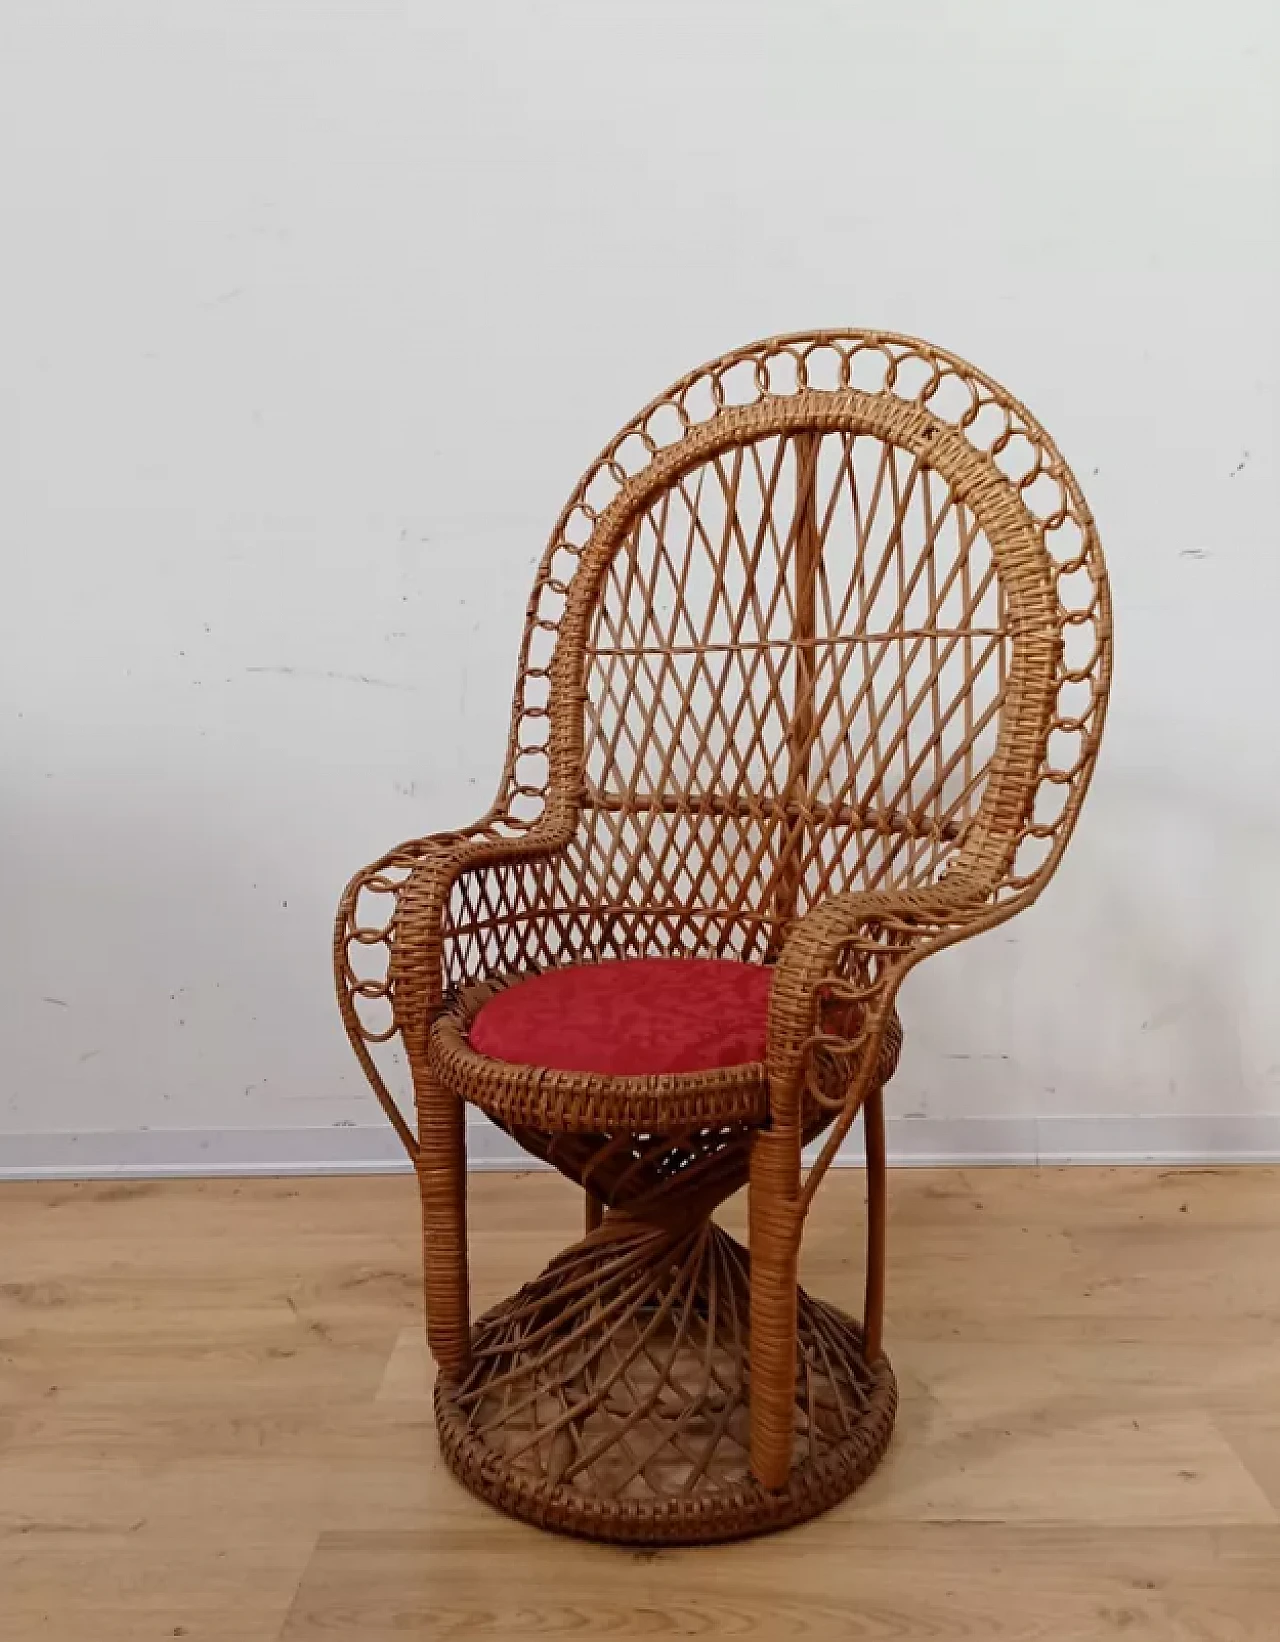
(639, 1017)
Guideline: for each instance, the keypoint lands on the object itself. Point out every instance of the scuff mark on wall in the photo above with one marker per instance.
(341, 678)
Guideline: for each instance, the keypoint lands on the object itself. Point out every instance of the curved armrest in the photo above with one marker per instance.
(417, 876)
(834, 990)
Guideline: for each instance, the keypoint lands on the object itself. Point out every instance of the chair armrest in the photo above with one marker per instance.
(833, 993)
(417, 877)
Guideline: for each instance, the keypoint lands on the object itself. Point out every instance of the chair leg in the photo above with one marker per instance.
(873, 1303)
(774, 1233)
(595, 1211)
(442, 1178)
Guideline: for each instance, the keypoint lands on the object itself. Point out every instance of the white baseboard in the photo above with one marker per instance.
(1252, 1137)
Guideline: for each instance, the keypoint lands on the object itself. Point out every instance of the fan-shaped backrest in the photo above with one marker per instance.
(829, 614)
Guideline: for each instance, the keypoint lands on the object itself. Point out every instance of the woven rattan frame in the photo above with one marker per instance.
(814, 674)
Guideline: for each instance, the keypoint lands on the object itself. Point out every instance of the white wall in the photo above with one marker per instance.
(315, 310)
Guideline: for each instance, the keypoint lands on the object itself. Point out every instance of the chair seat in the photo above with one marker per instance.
(639, 1046)
(645, 1046)
(642, 1017)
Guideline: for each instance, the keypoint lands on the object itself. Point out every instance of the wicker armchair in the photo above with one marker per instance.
(812, 685)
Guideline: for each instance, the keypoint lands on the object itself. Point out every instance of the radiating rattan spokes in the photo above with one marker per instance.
(665, 1177)
(614, 1390)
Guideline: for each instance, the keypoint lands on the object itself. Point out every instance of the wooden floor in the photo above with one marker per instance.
(214, 1423)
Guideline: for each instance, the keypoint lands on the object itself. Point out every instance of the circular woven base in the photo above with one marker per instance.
(609, 1397)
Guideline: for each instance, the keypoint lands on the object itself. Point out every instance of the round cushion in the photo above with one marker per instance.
(638, 1017)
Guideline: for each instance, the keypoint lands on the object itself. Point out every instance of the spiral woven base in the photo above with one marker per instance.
(609, 1397)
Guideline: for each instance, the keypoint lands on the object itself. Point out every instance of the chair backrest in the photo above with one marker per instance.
(829, 614)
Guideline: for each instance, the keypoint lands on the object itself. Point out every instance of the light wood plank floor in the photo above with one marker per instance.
(214, 1422)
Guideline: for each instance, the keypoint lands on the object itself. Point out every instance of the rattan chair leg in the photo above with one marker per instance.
(442, 1177)
(873, 1305)
(594, 1211)
(774, 1232)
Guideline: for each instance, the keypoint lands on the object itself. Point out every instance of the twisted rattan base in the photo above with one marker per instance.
(609, 1397)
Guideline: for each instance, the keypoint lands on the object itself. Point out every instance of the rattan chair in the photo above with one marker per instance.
(812, 684)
